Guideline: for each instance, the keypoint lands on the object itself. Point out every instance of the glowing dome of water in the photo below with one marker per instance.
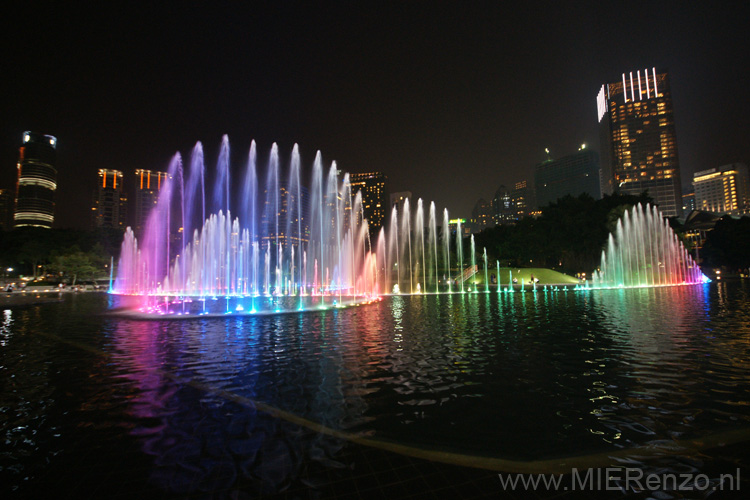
(279, 239)
(644, 251)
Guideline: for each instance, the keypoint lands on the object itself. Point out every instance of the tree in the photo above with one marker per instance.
(77, 265)
(728, 244)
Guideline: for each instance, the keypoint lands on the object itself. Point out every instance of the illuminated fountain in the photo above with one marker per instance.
(644, 251)
(262, 249)
(246, 247)
(412, 257)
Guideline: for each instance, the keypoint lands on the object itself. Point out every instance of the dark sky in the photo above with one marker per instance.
(449, 99)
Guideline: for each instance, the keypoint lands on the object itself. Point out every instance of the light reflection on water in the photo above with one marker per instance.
(519, 375)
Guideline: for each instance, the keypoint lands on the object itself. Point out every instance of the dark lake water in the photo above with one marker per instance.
(101, 405)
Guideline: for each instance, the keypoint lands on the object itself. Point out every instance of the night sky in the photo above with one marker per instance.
(449, 100)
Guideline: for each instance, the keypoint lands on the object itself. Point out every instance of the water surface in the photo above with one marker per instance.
(171, 406)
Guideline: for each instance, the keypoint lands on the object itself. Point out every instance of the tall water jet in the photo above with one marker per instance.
(645, 251)
(393, 248)
(406, 242)
(419, 236)
(460, 252)
(486, 281)
(433, 245)
(447, 248)
(222, 255)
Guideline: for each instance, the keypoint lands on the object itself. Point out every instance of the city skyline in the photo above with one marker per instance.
(449, 103)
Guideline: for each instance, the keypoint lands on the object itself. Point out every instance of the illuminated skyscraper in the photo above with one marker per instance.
(37, 181)
(109, 208)
(639, 147)
(374, 199)
(503, 207)
(289, 225)
(723, 190)
(523, 199)
(147, 186)
(481, 216)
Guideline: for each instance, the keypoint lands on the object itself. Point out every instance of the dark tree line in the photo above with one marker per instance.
(67, 253)
(728, 244)
(569, 235)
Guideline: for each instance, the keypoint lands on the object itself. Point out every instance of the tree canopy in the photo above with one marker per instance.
(568, 236)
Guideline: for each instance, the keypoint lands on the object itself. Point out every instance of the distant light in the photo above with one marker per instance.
(10, 269)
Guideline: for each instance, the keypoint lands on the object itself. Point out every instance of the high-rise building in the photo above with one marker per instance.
(688, 203)
(398, 199)
(639, 146)
(110, 204)
(373, 187)
(291, 218)
(148, 183)
(572, 175)
(37, 181)
(503, 208)
(723, 190)
(481, 216)
(523, 199)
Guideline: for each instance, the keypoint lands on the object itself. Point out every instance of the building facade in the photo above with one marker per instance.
(36, 182)
(503, 208)
(523, 198)
(639, 145)
(148, 184)
(723, 190)
(481, 216)
(374, 189)
(398, 200)
(287, 224)
(110, 204)
(688, 203)
(573, 175)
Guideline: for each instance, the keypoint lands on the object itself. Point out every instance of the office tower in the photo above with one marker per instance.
(688, 203)
(148, 183)
(37, 181)
(723, 190)
(290, 223)
(373, 187)
(481, 216)
(639, 148)
(503, 208)
(110, 204)
(397, 200)
(573, 175)
(523, 199)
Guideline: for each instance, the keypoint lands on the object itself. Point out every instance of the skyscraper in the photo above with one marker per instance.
(147, 186)
(37, 181)
(523, 199)
(372, 185)
(287, 224)
(481, 216)
(109, 208)
(723, 190)
(573, 175)
(503, 208)
(639, 147)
